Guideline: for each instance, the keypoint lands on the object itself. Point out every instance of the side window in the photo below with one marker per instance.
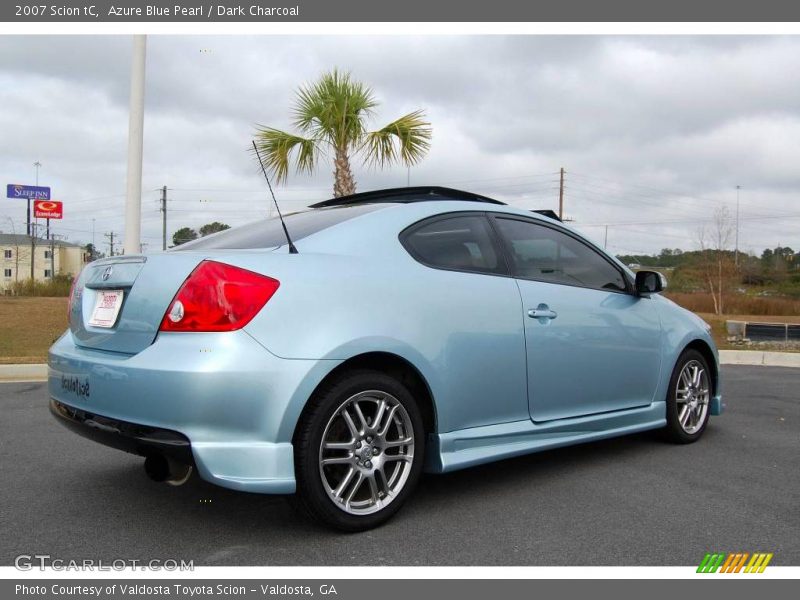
(461, 243)
(544, 254)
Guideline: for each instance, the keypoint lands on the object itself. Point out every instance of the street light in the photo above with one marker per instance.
(36, 165)
(736, 253)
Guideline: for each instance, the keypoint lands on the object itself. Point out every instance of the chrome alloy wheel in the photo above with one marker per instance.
(367, 452)
(692, 395)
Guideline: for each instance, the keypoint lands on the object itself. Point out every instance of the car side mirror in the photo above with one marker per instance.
(650, 282)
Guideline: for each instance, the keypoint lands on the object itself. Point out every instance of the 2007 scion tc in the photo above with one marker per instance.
(415, 328)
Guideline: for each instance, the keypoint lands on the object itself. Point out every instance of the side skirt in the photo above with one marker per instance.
(469, 447)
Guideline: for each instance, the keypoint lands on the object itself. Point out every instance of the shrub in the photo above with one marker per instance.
(57, 286)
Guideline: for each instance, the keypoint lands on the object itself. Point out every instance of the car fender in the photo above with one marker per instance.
(681, 328)
(341, 354)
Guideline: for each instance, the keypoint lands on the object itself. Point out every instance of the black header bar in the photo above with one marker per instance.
(194, 11)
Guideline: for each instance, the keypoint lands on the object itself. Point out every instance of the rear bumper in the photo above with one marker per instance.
(123, 435)
(219, 401)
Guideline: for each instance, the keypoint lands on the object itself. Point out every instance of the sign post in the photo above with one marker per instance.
(29, 192)
(49, 209)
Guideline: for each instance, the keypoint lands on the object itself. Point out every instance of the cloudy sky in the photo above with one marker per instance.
(654, 132)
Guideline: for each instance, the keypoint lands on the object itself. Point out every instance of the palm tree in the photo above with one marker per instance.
(331, 118)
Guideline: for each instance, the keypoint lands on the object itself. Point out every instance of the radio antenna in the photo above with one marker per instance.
(292, 249)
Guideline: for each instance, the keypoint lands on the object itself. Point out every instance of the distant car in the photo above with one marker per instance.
(416, 328)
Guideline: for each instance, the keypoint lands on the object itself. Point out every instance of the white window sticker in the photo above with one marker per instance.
(106, 308)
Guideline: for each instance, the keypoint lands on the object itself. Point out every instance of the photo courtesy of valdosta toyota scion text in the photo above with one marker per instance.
(421, 308)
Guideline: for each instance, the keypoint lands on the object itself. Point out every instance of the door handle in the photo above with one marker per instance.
(542, 312)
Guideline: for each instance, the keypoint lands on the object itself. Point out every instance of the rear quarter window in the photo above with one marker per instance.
(455, 243)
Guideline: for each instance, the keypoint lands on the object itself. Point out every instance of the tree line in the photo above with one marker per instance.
(721, 272)
(187, 234)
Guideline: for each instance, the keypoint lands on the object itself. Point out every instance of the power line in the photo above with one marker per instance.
(678, 221)
(603, 198)
(676, 194)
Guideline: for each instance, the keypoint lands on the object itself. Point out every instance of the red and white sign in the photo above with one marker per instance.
(48, 209)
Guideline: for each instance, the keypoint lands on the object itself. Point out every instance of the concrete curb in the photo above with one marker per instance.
(34, 372)
(755, 357)
(38, 372)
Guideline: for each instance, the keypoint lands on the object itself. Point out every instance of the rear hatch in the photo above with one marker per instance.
(143, 287)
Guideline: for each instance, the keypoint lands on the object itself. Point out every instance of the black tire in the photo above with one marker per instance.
(312, 497)
(675, 432)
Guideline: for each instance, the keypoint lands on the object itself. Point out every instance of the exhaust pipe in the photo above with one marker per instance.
(161, 469)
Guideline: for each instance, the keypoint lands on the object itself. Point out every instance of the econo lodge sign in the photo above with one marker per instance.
(48, 209)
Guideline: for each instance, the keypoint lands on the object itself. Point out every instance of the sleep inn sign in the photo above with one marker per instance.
(27, 192)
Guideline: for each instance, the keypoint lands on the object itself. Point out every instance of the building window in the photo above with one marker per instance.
(47, 273)
(47, 254)
(6, 253)
(7, 273)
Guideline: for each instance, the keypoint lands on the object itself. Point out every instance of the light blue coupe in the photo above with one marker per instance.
(407, 329)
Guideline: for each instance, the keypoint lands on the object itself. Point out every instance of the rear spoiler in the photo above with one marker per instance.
(548, 213)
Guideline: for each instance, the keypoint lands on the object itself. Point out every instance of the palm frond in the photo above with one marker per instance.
(405, 140)
(334, 109)
(276, 148)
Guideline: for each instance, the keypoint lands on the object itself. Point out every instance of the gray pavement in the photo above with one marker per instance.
(629, 501)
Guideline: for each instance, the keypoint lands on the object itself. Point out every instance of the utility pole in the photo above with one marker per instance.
(164, 218)
(52, 256)
(736, 253)
(133, 198)
(53, 239)
(110, 237)
(561, 196)
(33, 248)
(605, 241)
(94, 248)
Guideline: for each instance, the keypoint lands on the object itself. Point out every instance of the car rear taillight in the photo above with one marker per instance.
(218, 297)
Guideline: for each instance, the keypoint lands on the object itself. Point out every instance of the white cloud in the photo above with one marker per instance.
(650, 129)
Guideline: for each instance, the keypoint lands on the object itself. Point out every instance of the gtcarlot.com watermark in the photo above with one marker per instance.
(29, 562)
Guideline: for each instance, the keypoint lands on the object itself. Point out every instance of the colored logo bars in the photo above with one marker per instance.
(734, 562)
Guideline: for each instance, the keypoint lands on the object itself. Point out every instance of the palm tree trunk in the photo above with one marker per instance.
(343, 182)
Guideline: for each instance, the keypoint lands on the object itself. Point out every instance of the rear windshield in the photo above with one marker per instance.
(268, 233)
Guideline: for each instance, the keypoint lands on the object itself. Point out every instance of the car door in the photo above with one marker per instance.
(470, 326)
(592, 345)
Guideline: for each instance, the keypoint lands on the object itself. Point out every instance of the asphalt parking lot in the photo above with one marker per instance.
(628, 501)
